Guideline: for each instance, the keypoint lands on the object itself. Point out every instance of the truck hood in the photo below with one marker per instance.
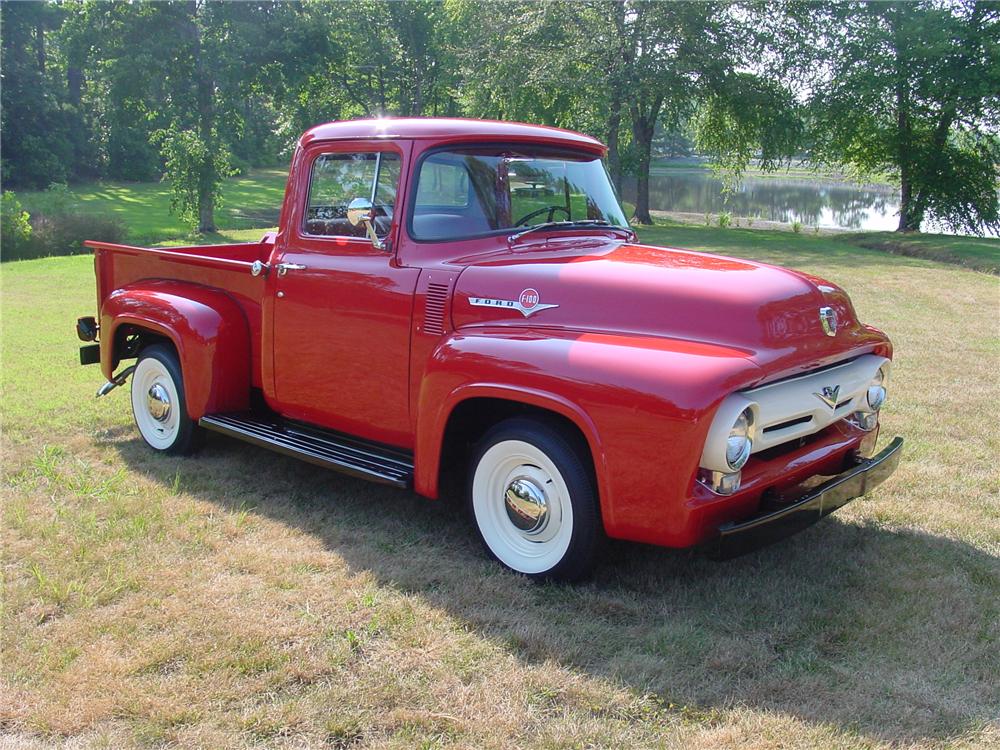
(766, 313)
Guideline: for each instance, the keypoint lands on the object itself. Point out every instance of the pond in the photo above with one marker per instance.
(824, 203)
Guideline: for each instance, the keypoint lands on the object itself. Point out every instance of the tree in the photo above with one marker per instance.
(746, 117)
(37, 130)
(616, 69)
(914, 89)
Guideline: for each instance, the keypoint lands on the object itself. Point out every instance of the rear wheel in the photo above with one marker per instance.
(158, 403)
(533, 500)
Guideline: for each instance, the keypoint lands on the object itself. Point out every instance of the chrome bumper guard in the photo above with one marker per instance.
(738, 538)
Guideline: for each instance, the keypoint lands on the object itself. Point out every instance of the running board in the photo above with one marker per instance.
(349, 455)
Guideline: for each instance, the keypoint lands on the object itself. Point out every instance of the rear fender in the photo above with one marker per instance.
(206, 326)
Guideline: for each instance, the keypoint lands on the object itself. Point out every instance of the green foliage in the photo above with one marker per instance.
(911, 89)
(64, 233)
(747, 117)
(37, 131)
(957, 181)
(797, 227)
(195, 170)
(57, 229)
(15, 230)
(725, 219)
(136, 90)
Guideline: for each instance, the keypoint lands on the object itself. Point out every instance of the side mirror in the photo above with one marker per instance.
(359, 211)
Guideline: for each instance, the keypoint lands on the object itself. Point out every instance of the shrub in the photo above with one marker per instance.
(15, 229)
(796, 227)
(725, 219)
(63, 234)
(56, 228)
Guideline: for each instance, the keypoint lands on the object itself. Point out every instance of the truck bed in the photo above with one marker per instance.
(225, 267)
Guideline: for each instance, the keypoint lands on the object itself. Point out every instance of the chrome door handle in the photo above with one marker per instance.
(284, 268)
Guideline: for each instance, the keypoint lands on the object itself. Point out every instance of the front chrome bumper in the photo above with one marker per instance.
(737, 538)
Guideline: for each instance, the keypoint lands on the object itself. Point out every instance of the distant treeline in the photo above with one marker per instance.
(197, 89)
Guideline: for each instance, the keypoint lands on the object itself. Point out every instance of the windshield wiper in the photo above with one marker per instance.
(568, 225)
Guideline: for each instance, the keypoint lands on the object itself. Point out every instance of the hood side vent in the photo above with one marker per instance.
(434, 308)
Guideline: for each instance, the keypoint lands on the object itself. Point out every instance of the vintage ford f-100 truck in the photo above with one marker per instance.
(464, 296)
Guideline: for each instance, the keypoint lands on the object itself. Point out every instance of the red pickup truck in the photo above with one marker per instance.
(460, 296)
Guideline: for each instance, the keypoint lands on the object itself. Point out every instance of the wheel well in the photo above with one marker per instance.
(470, 420)
(131, 339)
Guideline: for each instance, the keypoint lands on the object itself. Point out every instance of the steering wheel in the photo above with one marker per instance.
(551, 210)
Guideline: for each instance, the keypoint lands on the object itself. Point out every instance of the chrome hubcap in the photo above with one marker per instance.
(158, 402)
(527, 507)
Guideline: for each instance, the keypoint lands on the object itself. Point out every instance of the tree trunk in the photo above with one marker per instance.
(206, 210)
(40, 47)
(643, 126)
(614, 156)
(909, 216)
(74, 84)
(641, 215)
(206, 128)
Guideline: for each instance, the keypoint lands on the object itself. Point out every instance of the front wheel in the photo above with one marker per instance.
(533, 501)
(158, 402)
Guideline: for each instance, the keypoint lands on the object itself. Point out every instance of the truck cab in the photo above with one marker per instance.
(465, 299)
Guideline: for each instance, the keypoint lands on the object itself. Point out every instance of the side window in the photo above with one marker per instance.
(337, 179)
(443, 184)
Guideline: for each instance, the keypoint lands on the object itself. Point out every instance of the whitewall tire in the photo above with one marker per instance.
(158, 403)
(533, 502)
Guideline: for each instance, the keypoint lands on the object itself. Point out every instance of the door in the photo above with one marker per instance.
(340, 306)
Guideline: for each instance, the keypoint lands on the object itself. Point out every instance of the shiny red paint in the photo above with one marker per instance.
(206, 326)
(642, 347)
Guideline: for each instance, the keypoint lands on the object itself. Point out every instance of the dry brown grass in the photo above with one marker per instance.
(243, 599)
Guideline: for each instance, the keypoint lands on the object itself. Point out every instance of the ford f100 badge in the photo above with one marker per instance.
(528, 303)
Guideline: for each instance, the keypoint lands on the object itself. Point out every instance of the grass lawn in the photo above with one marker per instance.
(981, 253)
(249, 201)
(239, 598)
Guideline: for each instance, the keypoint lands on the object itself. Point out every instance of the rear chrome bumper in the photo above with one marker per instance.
(737, 538)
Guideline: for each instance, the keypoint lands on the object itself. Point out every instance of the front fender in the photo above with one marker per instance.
(208, 329)
(643, 403)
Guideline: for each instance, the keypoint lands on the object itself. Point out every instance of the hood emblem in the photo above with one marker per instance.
(828, 319)
(527, 303)
(829, 395)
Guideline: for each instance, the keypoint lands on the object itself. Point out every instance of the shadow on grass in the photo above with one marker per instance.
(886, 634)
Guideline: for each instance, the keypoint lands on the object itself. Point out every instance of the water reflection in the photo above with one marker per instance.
(827, 204)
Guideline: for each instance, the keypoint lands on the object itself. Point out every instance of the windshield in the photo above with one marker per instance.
(465, 193)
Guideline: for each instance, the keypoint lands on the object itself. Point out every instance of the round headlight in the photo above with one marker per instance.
(740, 440)
(876, 392)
